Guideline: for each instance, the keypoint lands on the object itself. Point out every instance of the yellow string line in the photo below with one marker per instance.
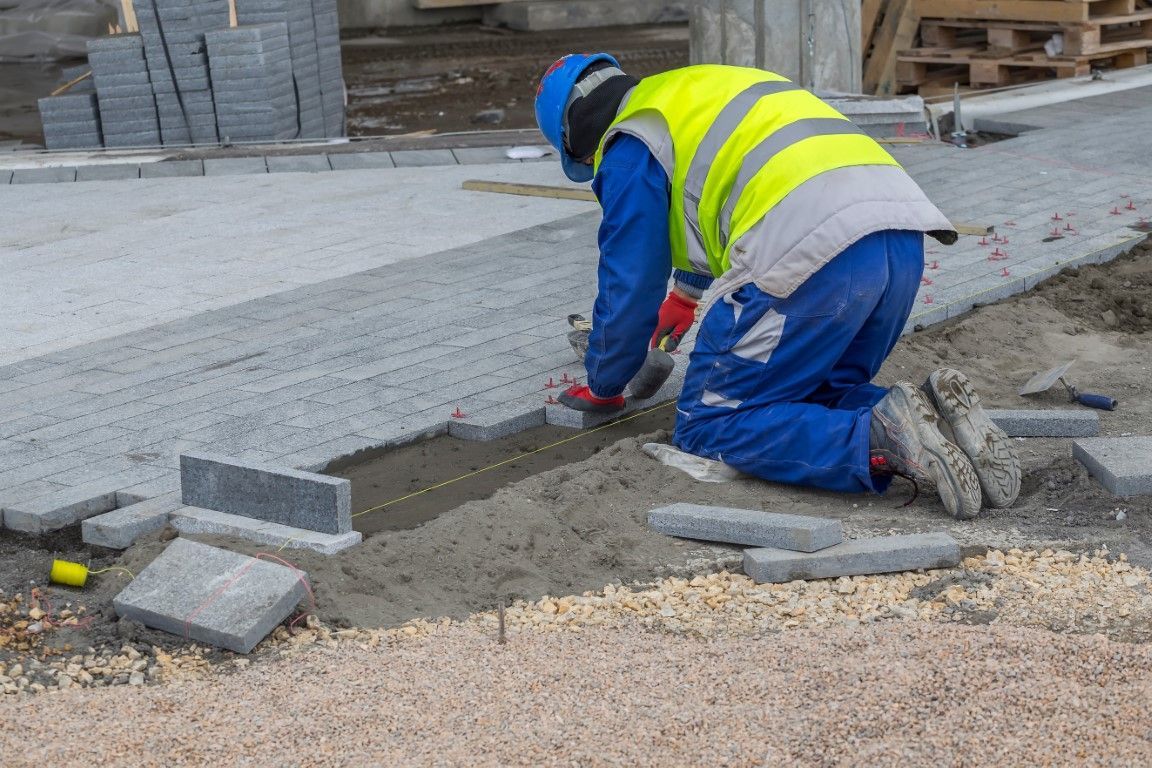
(489, 468)
(498, 464)
(112, 568)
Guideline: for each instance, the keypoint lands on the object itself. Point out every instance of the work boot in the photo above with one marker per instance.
(906, 434)
(985, 444)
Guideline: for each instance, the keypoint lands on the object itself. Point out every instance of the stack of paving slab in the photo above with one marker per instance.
(71, 121)
(789, 547)
(252, 82)
(177, 60)
(304, 50)
(163, 86)
(127, 105)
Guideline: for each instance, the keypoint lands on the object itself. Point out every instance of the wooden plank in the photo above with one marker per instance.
(64, 88)
(129, 13)
(434, 4)
(869, 14)
(572, 193)
(1015, 10)
(896, 32)
(529, 190)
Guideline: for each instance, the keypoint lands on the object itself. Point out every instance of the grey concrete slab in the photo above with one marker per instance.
(885, 554)
(298, 164)
(415, 158)
(1048, 423)
(229, 166)
(43, 175)
(60, 509)
(269, 493)
(170, 168)
(1123, 465)
(107, 172)
(212, 596)
(501, 421)
(120, 528)
(193, 520)
(746, 527)
(352, 161)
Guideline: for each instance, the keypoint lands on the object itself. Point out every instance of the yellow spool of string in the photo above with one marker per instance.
(68, 573)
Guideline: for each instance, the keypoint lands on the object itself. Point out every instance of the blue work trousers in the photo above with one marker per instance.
(782, 388)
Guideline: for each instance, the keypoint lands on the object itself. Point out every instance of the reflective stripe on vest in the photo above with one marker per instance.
(766, 137)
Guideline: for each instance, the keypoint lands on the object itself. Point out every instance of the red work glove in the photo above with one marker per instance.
(676, 316)
(580, 398)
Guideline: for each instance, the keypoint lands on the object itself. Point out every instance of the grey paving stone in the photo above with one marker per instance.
(5, 177)
(1123, 465)
(351, 161)
(192, 520)
(169, 168)
(501, 421)
(231, 166)
(107, 172)
(750, 528)
(212, 596)
(1053, 423)
(60, 509)
(43, 175)
(413, 158)
(884, 554)
(269, 493)
(298, 164)
(120, 528)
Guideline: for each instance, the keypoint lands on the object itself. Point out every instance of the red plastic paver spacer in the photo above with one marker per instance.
(1004, 241)
(1130, 207)
(934, 265)
(458, 414)
(1005, 272)
(1069, 228)
(1009, 223)
(1056, 217)
(925, 281)
(551, 401)
(997, 255)
(1055, 232)
(927, 299)
(983, 241)
(1115, 211)
(565, 380)
(551, 384)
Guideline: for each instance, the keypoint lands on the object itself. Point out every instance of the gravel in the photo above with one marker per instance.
(913, 669)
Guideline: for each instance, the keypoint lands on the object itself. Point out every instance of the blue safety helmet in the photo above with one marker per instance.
(552, 101)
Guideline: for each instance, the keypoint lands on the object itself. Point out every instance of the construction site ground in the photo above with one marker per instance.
(300, 318)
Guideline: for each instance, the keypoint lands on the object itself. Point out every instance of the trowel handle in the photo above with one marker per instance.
(1102, 402)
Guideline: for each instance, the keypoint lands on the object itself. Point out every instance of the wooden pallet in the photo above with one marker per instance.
(980, 66)
(1069, 11)
(888, 26)
(1104, 35)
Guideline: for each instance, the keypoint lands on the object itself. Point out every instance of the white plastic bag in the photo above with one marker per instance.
(527, 153)
(704, 470)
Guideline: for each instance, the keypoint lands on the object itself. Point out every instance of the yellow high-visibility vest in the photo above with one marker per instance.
(736, 143)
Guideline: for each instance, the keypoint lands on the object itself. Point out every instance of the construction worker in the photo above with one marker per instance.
(810, 236)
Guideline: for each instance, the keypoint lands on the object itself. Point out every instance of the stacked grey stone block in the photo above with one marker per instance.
(127, 106)
(212, 596)
(297, 14)
(252, 82)
(121, 527)
(178, 65)
(71, 121)
(331, 73)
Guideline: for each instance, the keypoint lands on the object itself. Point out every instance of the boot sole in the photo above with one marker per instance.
(986, 445)
(943, 462)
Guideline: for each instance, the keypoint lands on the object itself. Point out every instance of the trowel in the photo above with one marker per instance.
(1044, 381)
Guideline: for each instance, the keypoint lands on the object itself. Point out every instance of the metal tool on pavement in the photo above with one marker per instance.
(657, 366)
(1044, 380)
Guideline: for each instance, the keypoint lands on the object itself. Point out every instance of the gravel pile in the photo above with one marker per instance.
(891, 693)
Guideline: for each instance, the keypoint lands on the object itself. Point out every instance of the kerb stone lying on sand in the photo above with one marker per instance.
(747, 527)
(858, 557)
